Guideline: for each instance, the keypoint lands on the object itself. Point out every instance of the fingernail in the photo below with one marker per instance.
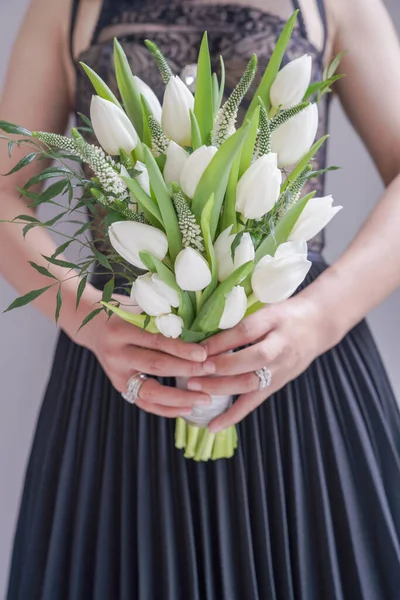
(203, 402)
(209, 367)
(199, 354)
(194, 386)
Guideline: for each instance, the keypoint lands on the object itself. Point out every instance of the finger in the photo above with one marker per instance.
(237, 384)
(163, 411)
(164, 365)
(243, 406)
(153, 392)
(249, 359)
(174, 347)
(246, 332)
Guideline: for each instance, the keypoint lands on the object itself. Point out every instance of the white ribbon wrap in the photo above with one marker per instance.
(203, 415)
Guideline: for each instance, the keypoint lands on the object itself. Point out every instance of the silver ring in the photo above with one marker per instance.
(265, 377)
(133, 387)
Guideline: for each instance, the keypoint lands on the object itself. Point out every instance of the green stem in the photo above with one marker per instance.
(180, 433)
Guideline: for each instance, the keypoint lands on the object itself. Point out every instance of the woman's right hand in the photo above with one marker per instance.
(124, 349)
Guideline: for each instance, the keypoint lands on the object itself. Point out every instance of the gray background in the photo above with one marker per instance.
(27, 339)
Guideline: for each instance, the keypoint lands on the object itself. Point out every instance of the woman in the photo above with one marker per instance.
(309, 507)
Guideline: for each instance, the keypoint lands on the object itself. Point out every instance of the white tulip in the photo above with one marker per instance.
(276, 278)
(113, 129)
(170, 325)
(315, 216)
(149, 95)
(191, 270)
(235, 308)
(153, 295)
(143, 178)
(175, 119)
(243, 253)
(128, 238)
(295, 137)
(176, 158)
(194, 168)
(291, 83)
(259, 187)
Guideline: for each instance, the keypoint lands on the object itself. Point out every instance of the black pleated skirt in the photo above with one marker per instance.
(307, 509)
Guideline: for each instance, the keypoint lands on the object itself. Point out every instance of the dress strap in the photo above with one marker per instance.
(72, 23)
(322, 13)
(302, 24)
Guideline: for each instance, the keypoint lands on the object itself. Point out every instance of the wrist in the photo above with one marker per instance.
(71, 318)
(329, 319)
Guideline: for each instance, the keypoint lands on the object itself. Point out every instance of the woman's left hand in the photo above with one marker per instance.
(284, 337)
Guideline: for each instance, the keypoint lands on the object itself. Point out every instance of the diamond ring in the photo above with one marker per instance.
(133, 387)
(264, 375)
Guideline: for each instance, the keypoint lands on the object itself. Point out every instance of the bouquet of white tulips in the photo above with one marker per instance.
(205, 214)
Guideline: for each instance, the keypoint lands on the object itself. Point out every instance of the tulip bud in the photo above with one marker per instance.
(315, 216)
(291, 83)
(292, 140)
(175, 119)
(129, 238)
(243, 253)
(259, 187)
(153, 295)
(276, 278)
(191, 270)
(176, 158)
(170, 325)
(150, 97)
(143, 179)
(194, 168)
(235, 308)
(113, 129)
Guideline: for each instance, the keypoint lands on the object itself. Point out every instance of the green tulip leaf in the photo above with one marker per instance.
(192, 336)
(165, 205)
(195, 131)
(273, 67)
(128, 89)
(222, 82)
(147, 138)
(145, 202)
(186, 310)
(215, 178)
(229, 206)
(100, 86)
(157, 266)
(203, 100)
(283, 229)
(210, 252)
(133, 318)
(211, 312)
(215, 86)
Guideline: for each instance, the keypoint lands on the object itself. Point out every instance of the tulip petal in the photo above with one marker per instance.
(176, 158)
(194, 168)
(169, 325)
(294, 138)
(235, 308)
(316, 215)
(175, 119)
(112, 128)
(128, 238)
(291, 83)
(192, 271)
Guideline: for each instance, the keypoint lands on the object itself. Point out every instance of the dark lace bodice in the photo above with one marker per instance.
(234, 31)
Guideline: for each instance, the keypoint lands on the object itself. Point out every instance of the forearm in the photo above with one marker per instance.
(16, 252)
(367, 272)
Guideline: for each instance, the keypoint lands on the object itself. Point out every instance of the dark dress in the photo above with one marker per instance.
(308, 508)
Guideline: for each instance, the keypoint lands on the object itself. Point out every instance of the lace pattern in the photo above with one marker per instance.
(234, 31)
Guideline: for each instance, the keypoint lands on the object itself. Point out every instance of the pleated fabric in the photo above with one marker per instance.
(307, 509)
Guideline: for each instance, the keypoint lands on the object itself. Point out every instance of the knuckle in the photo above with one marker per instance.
(246, 329)
(156, 365)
